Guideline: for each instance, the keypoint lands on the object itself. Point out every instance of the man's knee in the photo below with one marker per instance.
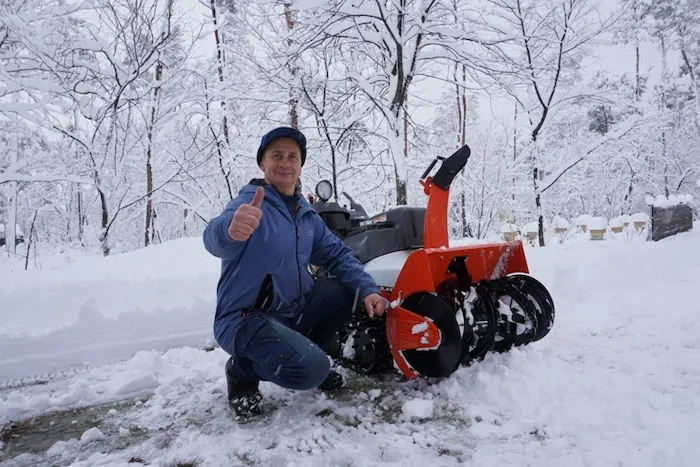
(287, 358)
(308, 371)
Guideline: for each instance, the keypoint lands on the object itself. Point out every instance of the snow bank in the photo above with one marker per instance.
(104, 309)
(662, 201)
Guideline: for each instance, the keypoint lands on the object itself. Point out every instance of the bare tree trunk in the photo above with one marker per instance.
(463, 127)
(538, 192)
(11, 231)
(184, 222)
(29, 241)
(638, 77)
(219, 152)
(104, 236)
(515, 146)
(460, 117)
(293, 99)
(149, 154)
(399, 163)
(405, 133)
(81, 221)
(220, 69)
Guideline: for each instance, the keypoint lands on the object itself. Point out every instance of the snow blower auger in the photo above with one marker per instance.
(450, 305)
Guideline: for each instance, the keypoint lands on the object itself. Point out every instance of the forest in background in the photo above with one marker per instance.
(129, 122)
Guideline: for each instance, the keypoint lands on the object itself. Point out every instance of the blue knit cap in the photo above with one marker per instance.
(283, 132)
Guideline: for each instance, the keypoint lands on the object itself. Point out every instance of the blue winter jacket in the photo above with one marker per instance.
(282, 246)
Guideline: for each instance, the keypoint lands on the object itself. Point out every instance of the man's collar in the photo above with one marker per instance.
(262, 182)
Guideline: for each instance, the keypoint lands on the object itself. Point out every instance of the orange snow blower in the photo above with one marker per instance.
(450, 305)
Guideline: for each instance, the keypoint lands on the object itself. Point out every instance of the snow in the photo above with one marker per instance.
(418, 408)
(18, 230)
(560, 223)
(420, 327)
(640, 217)
(597, 223)
(583, 219)
(662, 201)
(531, 227)
(505, 228)
(616, 222)
(93, 434)
(106, 309)
(614, 383)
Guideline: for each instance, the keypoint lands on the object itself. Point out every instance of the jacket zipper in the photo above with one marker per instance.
(296, 254)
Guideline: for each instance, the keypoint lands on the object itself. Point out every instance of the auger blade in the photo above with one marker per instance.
(430, 360)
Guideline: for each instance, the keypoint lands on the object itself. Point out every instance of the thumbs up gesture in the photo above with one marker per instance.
(247, 218)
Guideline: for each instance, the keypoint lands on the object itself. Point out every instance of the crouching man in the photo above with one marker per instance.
(271, 316)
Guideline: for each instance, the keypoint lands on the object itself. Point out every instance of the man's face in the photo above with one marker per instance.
(281, 162)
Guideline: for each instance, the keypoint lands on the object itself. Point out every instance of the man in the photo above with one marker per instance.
(271, 316)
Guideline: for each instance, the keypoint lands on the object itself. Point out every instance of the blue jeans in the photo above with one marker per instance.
(287, 351)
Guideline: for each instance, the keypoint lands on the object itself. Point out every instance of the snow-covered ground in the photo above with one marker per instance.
(615, 383)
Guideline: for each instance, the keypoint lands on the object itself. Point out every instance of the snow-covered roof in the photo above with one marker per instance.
(598, 223)
(509, 228)
(560, 223)
(583, 219)
(640, 217)
(531, 227)
(673, 200)
(616, 222)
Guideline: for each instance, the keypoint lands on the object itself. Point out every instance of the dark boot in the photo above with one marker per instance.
(333, 381)
(244, 397)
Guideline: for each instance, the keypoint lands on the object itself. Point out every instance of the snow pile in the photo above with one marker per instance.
(640, 217)
(417, 408)
(106, 309)
(597, 223)
(93, 434)
(583, 219)
(532, 227)
(508, 228)
(662, 201)
(560, 223)
(616, 222)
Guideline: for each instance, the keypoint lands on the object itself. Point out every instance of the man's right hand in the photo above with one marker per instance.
(247, 218)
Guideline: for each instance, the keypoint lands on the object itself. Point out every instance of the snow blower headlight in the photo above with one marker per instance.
(324, 190)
